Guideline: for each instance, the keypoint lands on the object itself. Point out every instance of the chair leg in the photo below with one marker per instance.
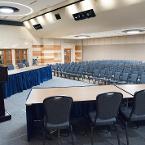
(44, 136)
(92, 135)
(58, 135)
(71, 132)
(126, 132)
(117, 133)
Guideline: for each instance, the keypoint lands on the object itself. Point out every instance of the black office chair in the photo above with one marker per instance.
(10, 67)
(136, 112)
(57, 114)
(107, 108)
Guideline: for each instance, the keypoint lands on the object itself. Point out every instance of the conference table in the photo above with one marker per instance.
(131, 88)
(26, 78)
(83, 101)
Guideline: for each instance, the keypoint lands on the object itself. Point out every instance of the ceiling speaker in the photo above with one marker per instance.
(38, 26)
(84, 15)
(57, 16)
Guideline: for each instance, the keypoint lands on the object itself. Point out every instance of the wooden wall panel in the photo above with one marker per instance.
(78, 53)
(47, 53)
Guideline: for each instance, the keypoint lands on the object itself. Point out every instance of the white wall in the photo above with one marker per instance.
(15, 37)
(123, 47)
(122, 52)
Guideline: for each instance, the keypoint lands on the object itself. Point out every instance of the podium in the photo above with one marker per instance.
(4, 116)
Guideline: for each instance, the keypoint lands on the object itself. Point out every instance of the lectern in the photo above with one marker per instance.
(4, 116)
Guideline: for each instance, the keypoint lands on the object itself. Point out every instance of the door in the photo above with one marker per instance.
(67, 55)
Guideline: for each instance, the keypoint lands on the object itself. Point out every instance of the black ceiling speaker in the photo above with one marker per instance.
(57, 16)
(84, 15)
(38, 26)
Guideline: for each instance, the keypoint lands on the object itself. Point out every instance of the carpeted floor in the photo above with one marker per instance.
(13, 132)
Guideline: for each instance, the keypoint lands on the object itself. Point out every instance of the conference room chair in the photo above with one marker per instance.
(116, 78)
(123, 78)
(26, 63)
(95, 76)
(10, 67)
(134, 113)
(142, 79)
(107, 109)
(57, 115)
(133, 78)
(20, 65)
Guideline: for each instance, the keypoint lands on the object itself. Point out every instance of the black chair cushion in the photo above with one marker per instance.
(99, 121)
(55, 126)
(126, 112)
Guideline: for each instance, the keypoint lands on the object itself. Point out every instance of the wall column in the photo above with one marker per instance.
(13, 57)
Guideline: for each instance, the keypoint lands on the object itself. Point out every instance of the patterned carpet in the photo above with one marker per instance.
(13, 132)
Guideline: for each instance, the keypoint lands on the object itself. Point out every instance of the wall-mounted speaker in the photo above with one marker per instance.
(38, 26)
(84, 15)
(57, 16)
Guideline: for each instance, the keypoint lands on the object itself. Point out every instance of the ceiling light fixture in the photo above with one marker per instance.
(8, 10)
(133, 31)
(82, 36)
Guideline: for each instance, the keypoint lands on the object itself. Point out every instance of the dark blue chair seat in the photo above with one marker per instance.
(99, 121)
(128, 113)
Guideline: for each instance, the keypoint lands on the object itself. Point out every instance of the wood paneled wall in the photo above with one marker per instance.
(78, 53)
(47, 54)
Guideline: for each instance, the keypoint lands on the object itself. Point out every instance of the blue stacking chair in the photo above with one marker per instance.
(123, 78)
(57, 111)
(134, 113)
(107, 109)
(20, 65)
(10, 67)
(142, 79)
(116, 78)
(133, 78)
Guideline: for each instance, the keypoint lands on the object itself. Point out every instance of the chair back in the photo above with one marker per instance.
(10, 67)
(108, 105)
(117, 75)
(20, 65)
(125, 76)
(133, 78)
(142, 79)
(139, 100)
(26, 63)
(57, 109)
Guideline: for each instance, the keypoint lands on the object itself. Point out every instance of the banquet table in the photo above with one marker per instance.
(26, 78)
(131, 88)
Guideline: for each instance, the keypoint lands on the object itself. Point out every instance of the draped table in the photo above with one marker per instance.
(26, 78)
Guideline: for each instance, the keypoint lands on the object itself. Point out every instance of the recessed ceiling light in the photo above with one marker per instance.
(8, 10)
(82, 36)
(134, 31)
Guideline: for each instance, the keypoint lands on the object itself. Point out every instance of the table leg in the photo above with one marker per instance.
(29, 119)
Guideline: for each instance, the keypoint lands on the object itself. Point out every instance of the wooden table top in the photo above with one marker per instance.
(16, 71)
(89, 93)
(132, 88)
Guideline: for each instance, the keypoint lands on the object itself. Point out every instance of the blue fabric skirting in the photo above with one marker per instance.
(26, 80)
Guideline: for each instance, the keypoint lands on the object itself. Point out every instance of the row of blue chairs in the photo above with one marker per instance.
(108, 71)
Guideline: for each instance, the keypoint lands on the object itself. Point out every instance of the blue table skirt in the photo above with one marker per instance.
(26, 80)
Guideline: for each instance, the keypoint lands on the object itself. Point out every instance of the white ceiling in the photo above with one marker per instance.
(111, 18)
(38, 6)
